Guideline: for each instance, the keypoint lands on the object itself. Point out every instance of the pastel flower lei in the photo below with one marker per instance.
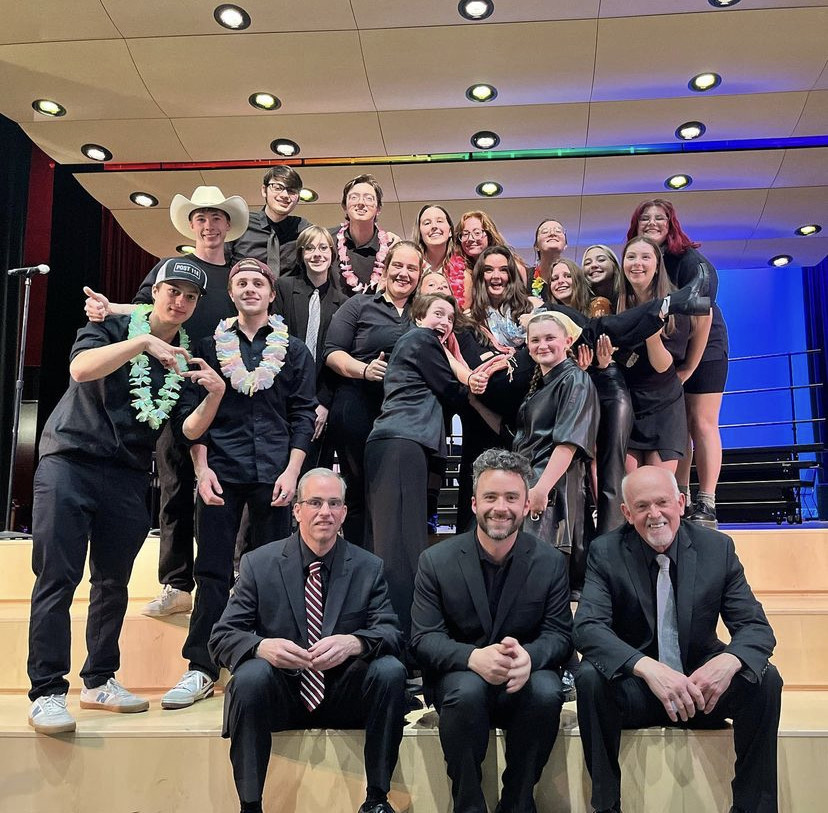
(232, 366)
(537, 282)
(153, 411)
(347, 270)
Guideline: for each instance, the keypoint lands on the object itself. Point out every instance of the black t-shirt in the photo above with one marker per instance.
(95, 419)
(362, 258)
(214, 306)
(272, 243)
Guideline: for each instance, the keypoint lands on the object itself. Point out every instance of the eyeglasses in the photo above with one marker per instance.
(279, 188)
(469, 235)
(649, 219)
(355, 197)
(547, 232)
(323, 247)
(316, 503)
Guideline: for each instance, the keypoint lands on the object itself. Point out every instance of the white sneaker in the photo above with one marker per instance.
(171, 601)
(193, 686)
(48, 715)
(112, 697)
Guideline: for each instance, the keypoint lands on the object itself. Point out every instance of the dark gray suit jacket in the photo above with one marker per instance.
(616, 617)
(269, 602)
(450, 616)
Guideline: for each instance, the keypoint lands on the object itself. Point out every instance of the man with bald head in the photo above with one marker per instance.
(646, 625)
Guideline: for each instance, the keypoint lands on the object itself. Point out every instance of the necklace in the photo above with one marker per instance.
(537, 282)
(153, 411)
(345, 267)
(232, 366)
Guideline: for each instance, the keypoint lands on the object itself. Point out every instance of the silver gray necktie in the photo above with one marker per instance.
(669, 652)
(313, 322)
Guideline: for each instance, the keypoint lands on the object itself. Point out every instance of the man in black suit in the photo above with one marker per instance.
(282, 655)
(646, 625)
(491, 627)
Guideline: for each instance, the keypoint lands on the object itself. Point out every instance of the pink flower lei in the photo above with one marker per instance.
(454, 268)
(347, 270)
(232, 365)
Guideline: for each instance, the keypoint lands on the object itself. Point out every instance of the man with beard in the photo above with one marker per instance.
(491, 627)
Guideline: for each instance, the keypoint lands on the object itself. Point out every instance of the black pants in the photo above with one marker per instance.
(614, 427)
(175, 516)
(627, 329)
(397, 499)
(605, 707)
(78, 505)
(217, 526)
(469, 707)
(356, 405)
(261, 699)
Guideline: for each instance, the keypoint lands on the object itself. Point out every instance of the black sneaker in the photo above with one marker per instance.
(704, 515)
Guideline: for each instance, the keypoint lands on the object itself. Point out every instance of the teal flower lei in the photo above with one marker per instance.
(232, 366)
(153, 411)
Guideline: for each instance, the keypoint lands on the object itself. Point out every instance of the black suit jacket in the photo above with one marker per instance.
(292, 300)
(450, 616)
(616, 617)
(269, 602)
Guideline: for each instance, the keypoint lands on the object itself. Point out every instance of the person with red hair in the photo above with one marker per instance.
(704, 370)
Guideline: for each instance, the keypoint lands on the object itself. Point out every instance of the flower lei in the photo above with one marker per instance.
(153, 411)
(455, 270)
(232, 366)
(347, 270)
(537, 282)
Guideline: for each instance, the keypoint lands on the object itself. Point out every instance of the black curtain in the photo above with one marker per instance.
(815, 294)
(15, 156)
(75, 259)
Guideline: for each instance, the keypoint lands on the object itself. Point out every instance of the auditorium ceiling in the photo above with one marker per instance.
(589, 96)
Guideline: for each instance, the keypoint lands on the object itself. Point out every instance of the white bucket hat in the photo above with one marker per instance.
(210, 197)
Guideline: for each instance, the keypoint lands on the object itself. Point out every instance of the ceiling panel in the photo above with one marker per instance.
(186, 17)
(517, 60)
(637, 8)
(113, 189)
(809, 251)
(814, 119)
(788, 209)
(61, 71)
(804, 168)
(54, 20)
(215, 75)
(706, 42)
(240, 137)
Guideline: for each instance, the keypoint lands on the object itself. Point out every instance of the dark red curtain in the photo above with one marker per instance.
(124, 264)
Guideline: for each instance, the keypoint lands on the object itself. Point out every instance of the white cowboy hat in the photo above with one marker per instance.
(210, 197)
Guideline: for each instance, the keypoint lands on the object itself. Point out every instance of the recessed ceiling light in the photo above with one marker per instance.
(489, 189)
(678, 181)
(704, 81)
(96, 152)
(722, 3)
(185, 249)
(264, 101)
(284, 147)
(475, 9)
(807, 231)
(780, 260)
(481, 93)
(144, 199)
(233, 17)
(690, 130)
(307, 195)
(485, 140)
(49, 107)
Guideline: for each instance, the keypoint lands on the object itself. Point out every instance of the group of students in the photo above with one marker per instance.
(351, 341)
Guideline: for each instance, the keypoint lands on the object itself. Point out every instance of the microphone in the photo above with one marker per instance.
(28, 271)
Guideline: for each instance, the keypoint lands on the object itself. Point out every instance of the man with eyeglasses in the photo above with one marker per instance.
(272, 232)
(312, 641)
(251, 458)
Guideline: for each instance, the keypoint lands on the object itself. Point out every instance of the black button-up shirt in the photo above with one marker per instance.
(494, 577)
(95, 419)
(251, 437)
(272, 243)
(362, 258)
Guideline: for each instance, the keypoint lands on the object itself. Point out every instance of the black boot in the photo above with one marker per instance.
(689, 300)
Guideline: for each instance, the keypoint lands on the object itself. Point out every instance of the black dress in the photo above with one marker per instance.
(658, 398)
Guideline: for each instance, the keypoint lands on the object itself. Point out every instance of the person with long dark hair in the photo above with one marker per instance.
(433, 233)
(704, 370)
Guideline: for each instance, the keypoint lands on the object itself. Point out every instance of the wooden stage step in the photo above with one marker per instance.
(176, 762)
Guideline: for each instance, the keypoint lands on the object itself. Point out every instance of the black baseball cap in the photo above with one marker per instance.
(183, 270)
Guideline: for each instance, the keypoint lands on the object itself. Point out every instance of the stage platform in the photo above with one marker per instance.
(163, 761)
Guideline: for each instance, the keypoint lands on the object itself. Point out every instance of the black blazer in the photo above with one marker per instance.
(450, 616)
(269, 602)
(616, 615)
(292, 299)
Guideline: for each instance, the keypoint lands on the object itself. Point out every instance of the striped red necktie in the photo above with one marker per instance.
(312, 686)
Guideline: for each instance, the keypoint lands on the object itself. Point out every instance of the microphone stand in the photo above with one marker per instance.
(9, 533)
